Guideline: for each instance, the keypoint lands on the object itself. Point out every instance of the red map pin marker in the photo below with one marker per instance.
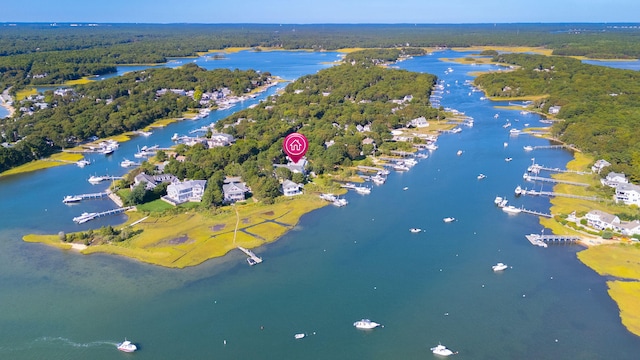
(295, 146)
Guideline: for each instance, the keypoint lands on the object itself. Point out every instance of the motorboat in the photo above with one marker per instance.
(514, 131)
(128, 163)
(82, 163)
(449, 219)
(505, 144)
(499, 267)
(405, 188)
(431, 147)
(508, 159)
(340, 202)
(518, 190)
(366, 324)
(511, 209)
(415, 230)
(362, 190)
(299, 336)
(497, 200)
(528, 148)
(127, 346)
(442, 350)
(459, 152)
(481, 176)
(71, 199)
(96, 179)
(84, 217)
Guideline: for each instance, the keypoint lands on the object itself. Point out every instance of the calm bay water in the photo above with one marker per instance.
(338, 266)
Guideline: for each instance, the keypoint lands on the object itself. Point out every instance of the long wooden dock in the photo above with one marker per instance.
(540, 178)
(533, 212)
(543, 240)
(551, 194)
(535, 168)
(252, 258)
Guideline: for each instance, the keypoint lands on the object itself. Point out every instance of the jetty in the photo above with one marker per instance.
(543, 240)
(85, 217)
(533, 212)
(252, 258)
(544, 179)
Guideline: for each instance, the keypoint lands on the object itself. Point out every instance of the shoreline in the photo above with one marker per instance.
(5, 99)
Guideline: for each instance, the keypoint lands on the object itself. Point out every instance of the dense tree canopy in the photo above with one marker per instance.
(599, 105)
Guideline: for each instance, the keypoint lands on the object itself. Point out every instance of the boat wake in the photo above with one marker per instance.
(68, 342)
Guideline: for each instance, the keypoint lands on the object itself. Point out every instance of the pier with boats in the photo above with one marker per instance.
(85, 217)
(543, 240)
(77, 198)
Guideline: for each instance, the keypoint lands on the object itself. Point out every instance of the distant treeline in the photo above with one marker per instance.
(32, 54)
(599, 105)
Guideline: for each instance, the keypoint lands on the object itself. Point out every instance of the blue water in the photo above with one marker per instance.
(338, 265)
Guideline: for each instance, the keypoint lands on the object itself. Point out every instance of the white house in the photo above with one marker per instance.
(601, 220)
(289, 188)
(554, 109)
(599, 165)
(631, 228)
(234, 191)
(419, 122)
(188, 190)
(613, 179)
(628, 194)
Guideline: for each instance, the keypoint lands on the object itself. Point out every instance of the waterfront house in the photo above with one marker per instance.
(220, 139)
(601, 220)
(613, 179)
(289, 188)
(234, 190)
(599, 165)
(554, 109)
(188, 190)
(151, 181)
(295, 167)
(420, 122)
(628, 194)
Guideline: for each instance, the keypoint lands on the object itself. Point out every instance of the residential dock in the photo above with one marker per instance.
(90, 216)
(540, 178)
(252, 258)
(551, 193)
(543, 240)
(99, 195)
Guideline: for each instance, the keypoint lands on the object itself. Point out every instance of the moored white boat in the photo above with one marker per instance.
(366, 324)
(459, 152)
(508, 159)
(127, 346)
(481, 176)
(83, 163)
(71, 199)
(96, 179)
(518, 190)
(415, 230)
(511, 209)
(84, 217)
(299, 336)
(362, 190)
(449, 219)
(528, 148)
(340, 202)
(442, 350)
(497, 200)
(128, 163)
(499, 267)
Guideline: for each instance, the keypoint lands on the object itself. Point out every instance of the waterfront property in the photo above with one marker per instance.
(601, 220)
(234, 190)
(181, 192)
(628, 194)
(290, 188)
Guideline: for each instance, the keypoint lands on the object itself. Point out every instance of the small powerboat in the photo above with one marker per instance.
(499, 266)
(366, 324)
(127, 346)
(442, 350)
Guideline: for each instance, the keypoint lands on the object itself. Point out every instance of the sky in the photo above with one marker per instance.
(321, 11)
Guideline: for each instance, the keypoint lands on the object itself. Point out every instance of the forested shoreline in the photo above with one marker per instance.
(599, 111)
(36, 54)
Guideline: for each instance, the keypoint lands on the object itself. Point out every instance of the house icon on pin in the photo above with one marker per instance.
(295, 145)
